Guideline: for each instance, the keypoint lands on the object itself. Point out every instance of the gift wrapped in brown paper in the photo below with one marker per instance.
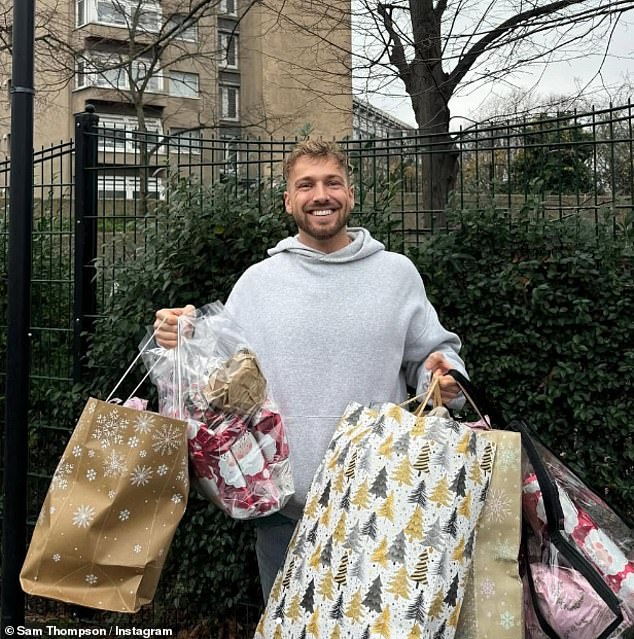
(111, 510)
(238, 385)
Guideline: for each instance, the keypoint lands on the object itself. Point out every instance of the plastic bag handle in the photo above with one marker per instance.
(134, 361)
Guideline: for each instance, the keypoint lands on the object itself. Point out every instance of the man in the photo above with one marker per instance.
(332, 317)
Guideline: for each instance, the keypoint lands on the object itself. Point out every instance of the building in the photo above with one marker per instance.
(370, 122)
(225, 69)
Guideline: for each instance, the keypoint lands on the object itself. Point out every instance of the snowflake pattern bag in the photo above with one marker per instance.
(493, 602)
(111, 510)
(387, 533)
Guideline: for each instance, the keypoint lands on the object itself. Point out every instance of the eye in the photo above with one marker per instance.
(302, 186)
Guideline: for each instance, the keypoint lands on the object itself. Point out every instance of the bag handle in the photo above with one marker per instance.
(476, 398)
(134, 361)
(432, 393)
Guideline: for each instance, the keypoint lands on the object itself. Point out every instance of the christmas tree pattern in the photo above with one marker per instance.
(422, 568)
(423, 458)
(342, 571)
(361, 498)
(379, 486)
(352, 465)
(372, 599)
(369, 528)
(386, 508)
(386, 448)
(402, 444)
(381, 625)
(379, 556)
(399, 584)
(387, 532)
(354, 610)
(403, 473)
(398, 549)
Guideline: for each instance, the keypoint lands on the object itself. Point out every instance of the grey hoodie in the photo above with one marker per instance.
(331, 328)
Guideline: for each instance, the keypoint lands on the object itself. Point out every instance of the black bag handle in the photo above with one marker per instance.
(478, 399)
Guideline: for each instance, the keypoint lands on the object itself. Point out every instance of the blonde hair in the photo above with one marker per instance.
(316, 149)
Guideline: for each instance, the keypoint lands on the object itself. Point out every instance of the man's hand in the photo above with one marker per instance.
(166, 325)
(439, 365)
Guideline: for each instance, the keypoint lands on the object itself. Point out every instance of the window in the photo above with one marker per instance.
(183, 85)
(108, 72)
(142, 15)
(127, 187)
(80, 13)
(231, 156)
(119, 132)
(185, 141)
(228, 50)
(187, 30)
(229, 7)
(229, 102)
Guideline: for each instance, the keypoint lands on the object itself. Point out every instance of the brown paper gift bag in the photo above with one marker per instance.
(493, 603)
(111, 510)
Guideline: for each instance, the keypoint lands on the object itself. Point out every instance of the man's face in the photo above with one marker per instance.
(320, 200)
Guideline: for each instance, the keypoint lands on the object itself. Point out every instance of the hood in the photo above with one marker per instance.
(362, 245)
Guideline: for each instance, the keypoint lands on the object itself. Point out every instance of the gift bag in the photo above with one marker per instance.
(112, 508)
(578, 553)
(388, 530)
(237, 444)
(493, 603)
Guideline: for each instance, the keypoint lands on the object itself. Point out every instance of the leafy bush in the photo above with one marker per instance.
(544, 309)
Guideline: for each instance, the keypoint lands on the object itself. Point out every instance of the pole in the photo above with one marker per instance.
(18, 316)
(85, 290)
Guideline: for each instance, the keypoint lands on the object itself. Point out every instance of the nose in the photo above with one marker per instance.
(320, 193)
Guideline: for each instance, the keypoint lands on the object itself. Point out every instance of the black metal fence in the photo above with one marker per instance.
(94, 199)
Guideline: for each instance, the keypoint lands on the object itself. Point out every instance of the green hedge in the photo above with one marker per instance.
(545, 310)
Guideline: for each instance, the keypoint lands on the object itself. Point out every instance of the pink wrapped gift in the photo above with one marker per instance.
(596, 545)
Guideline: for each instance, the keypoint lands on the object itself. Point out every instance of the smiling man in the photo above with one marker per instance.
(333, 318)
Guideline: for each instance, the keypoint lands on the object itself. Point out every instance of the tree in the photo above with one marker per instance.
(435, 49)
(554, 157)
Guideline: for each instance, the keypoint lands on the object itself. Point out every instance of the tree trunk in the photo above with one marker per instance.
(440, 160)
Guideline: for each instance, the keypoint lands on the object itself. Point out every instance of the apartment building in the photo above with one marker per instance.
(226, 69)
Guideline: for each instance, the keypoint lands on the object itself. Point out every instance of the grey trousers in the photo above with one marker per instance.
(273, 535)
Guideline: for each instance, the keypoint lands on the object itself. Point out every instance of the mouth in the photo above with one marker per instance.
(321, 212)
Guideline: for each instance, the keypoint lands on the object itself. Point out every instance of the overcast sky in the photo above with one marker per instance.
(564, 78)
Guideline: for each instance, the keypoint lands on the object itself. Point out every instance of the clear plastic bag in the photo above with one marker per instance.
(578, 554)
(237, 446)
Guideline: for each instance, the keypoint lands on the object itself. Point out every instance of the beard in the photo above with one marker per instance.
(319, 231)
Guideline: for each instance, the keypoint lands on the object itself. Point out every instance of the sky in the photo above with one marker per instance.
(564, 78)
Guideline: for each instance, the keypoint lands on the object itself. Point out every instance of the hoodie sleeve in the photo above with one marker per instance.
(426, 335)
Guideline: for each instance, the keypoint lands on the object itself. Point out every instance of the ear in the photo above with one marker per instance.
(351, 194)
(287, 202)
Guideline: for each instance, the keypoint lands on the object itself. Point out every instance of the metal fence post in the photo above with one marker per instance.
(18, 319)
(85, 289)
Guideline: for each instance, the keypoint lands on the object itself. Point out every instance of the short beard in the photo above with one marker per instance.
(320, 234)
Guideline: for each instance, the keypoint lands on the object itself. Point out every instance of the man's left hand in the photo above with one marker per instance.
(439, 366)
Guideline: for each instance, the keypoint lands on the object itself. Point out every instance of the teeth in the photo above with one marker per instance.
(322, 212)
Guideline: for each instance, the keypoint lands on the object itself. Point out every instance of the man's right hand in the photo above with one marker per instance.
(166, 325)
